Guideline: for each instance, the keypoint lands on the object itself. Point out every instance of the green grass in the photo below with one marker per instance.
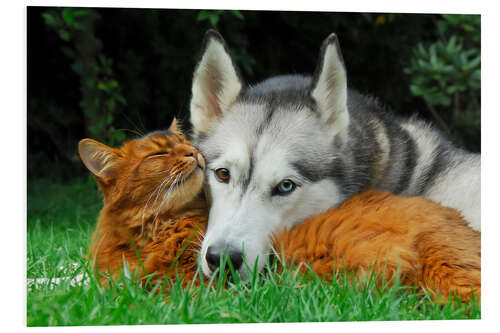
(61, 219)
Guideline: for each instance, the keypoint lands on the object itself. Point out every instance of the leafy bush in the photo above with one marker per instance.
(447, 75)
(100, 91)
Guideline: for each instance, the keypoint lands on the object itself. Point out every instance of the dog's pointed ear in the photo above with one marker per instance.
(329, 86)
(216, 84)
(100, 159)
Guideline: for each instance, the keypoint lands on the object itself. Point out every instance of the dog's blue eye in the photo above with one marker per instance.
(285, 187)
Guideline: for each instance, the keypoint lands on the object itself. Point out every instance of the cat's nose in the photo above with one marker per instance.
(188, 151)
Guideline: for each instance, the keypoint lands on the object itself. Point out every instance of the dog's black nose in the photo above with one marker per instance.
(213, 258)
(236, 258)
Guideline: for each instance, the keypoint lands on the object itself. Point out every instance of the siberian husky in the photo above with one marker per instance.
(292, 146)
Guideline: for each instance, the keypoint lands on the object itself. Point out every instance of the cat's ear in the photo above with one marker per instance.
(329, 86)
(100, 159)
(216, 84)
(173, 126)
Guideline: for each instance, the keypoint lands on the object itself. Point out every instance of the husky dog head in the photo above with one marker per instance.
(273, 150)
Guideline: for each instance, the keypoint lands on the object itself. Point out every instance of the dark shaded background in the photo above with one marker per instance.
(154, 52)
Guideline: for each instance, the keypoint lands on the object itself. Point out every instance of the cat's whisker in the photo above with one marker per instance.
(157, 189)
(146, 205)
(183, 187)
(164, 171)
(196, 241)
(164, 183)
(196, 244)
(195, 251)
(180, 186)
(131, 130)
(164, 199)
(200, 236)
(167, 192)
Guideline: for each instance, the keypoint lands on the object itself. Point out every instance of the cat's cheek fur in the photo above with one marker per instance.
(184, 193)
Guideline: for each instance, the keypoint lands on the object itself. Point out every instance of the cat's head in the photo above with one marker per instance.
(161, 171)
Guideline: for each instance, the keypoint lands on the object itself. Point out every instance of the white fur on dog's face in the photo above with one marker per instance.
(244, 213)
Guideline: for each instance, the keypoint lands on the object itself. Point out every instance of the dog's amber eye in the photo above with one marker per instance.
(222, 175)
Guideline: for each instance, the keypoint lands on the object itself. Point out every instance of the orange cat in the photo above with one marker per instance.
(154, 209)
(155, 213)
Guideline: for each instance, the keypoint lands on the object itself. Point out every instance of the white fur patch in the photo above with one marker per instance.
(449, 188)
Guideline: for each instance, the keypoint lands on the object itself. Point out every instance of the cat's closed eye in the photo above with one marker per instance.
(159, 153)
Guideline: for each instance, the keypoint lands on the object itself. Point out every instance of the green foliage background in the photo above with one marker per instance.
(112, 73)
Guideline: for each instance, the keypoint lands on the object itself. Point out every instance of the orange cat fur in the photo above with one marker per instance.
(431, 245)
(154, 208)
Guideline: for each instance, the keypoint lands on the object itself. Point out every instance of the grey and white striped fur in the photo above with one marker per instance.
(331, 142)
